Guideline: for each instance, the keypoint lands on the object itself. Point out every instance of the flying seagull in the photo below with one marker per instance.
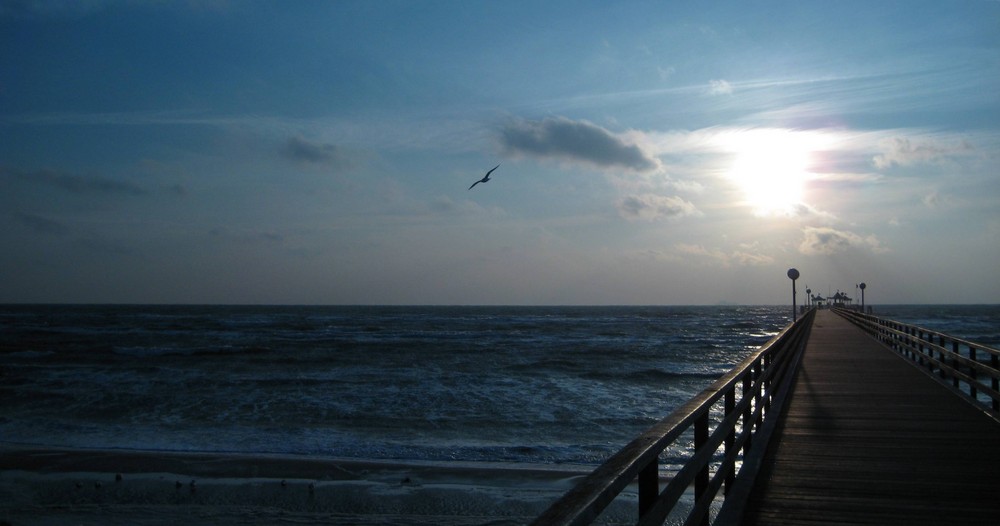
(485, 179)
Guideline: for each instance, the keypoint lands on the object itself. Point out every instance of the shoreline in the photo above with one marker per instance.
(53, 485)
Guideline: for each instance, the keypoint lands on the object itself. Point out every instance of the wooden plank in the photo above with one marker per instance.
(868, 438)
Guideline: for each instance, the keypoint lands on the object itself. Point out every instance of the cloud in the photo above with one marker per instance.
(176, 189)
(826, 241)
(76, 184)
(699, 250)
(808, 211)
(750, 258)
(48, 7)
(445, 205)
(720, 87)
(652, 207)
(936, 200)
(686, 185)
(746, 255)
(562, 138)
(304, 151)
(899, 151)
(42, 225)
(73, 8)
(249, 237)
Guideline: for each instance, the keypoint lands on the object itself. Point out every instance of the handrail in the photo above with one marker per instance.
(941, 354)
(752, 395)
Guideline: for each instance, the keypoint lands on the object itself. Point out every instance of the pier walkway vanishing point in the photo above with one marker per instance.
(869, 438)
(856, 434)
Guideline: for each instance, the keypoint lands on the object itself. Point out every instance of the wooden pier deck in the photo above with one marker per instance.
(868, 438)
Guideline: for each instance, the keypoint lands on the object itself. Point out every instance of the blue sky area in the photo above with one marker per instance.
(650, 152)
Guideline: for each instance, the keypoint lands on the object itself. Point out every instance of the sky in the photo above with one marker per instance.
(663, 153)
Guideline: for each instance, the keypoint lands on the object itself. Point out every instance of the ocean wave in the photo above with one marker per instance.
(651, 375)
(555, 384)
(181, 350)
(29, 354)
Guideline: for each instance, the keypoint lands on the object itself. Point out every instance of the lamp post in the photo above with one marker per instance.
(809, 298)
(862, 287)
(793, 275)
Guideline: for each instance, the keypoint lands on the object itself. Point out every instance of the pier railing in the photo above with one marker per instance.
(971, 368)
(736, 415)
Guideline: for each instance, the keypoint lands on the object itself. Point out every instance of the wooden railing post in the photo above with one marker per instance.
(954, 350)
(649, 485)
(995, 364)
(729, 405)
(700, 441)
(756, 393)
(747, 410)
(768, 358)
(973, 392)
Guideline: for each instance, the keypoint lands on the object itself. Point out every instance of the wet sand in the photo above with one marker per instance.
(84, 486)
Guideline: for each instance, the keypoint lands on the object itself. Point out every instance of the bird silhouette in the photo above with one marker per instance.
(485, 179)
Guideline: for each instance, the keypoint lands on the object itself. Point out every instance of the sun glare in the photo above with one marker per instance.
(771, 168)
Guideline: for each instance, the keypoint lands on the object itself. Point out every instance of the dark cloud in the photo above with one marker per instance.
(304, 151)
(76, 184)
(42, 225)
(559, 137)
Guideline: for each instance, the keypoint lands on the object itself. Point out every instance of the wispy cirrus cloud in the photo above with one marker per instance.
(71, 8)
(75, 183)
(26, 8)
(41, 224)
(744, 255)
(581, 141)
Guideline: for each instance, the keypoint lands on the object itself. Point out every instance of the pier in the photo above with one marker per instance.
(841, 419)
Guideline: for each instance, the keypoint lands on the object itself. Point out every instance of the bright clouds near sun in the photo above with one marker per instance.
(901, 151)
(652, 207)
(825, 241)
(569, 140)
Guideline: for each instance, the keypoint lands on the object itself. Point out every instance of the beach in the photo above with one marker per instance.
(76, 486)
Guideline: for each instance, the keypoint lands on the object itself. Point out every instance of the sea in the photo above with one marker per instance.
(537, 385)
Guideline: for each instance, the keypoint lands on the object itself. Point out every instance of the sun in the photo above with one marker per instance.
(771, 168)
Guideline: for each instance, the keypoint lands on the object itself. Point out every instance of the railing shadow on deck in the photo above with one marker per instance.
(968, 366)
(751, 396)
